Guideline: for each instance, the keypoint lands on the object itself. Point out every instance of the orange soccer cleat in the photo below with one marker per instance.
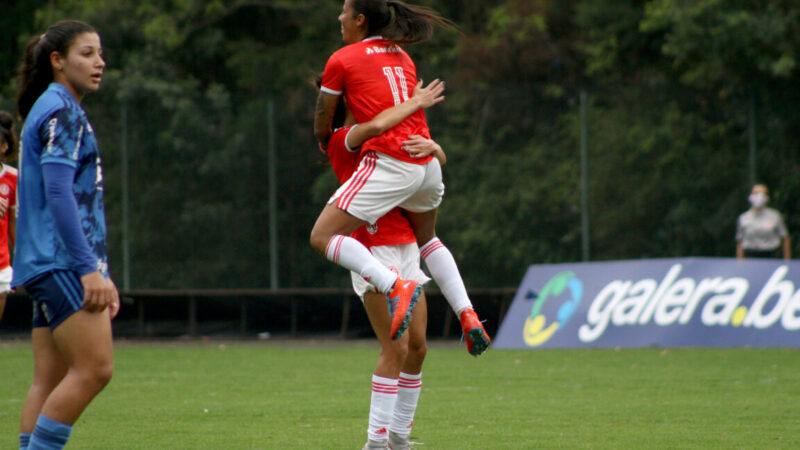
(401, 300)
(476, 336)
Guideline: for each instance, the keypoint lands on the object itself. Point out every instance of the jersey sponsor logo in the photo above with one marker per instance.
(4, 189)
(51, 134)
(99, 175)
(376, 50)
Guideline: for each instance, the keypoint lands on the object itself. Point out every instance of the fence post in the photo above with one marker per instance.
(584, 179)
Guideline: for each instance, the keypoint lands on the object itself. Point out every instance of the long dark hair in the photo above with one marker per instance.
(400, 22)
(35, 72)
(9, 136)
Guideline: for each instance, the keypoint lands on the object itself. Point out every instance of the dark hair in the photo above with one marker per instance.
(400, 22)
(35, 72)
(9, 136)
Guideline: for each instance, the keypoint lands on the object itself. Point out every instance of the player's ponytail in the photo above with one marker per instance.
(8, 136)
(36, 72)
(400, 22)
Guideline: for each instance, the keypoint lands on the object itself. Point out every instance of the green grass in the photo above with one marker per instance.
(277, 395)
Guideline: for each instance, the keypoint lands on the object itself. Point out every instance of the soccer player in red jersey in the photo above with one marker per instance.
(397, 379)
(8, 203)
(373, 74)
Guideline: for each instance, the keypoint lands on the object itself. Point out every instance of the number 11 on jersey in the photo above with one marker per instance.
(396, 78)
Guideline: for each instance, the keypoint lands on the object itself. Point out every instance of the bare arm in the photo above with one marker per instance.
(423, 97)
(323, 117)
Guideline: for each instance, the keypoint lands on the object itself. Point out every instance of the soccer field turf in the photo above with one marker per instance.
(285, 395)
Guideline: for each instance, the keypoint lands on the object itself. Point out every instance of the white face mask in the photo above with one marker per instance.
(758, 200)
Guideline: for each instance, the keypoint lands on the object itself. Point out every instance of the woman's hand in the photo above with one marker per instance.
(429, 95)
(99, 293)
(420, 147)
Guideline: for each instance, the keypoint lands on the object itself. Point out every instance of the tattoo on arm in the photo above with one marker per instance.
(322, 121)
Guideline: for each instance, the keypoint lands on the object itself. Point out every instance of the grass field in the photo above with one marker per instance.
(279, 395)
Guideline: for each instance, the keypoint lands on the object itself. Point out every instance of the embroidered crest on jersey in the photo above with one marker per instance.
(372, 228)
(4, 189)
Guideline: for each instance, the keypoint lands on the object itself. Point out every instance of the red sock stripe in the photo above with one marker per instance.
(384, 388)
(405, 383)
(336, 242)
(431, 247)
(359, 179)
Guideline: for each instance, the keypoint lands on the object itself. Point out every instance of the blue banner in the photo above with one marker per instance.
(710, 302)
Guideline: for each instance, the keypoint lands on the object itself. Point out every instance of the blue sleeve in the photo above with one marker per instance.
(61, 136)
(58, 180)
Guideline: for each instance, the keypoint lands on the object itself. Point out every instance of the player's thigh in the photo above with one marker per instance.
(85, 339)
(417, 329)
(49, 365)
(378, 313)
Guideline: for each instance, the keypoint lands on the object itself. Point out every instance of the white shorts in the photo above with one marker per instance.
(381, 182)
(5, 279)
(400, 259)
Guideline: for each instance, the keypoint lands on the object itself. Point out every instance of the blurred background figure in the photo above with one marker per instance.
(760, 231)
(8, 202)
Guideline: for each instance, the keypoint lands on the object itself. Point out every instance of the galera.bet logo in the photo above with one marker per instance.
(562, 289)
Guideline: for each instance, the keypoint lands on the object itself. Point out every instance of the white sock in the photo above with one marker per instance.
(444, 271)
(381, 406)
(352, 255)
(408, 389)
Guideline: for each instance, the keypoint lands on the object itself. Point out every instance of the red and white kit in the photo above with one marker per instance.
(373, 75)
(8, 191)
(391, 239)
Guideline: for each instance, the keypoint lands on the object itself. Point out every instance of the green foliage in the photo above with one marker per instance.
(669, 82)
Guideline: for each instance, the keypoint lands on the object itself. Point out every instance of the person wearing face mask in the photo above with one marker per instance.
(760, 231)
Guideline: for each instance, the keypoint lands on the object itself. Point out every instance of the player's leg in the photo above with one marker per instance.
(83, 340)
(384, 379)
(409, 384)
(49, 369)
(2, 303)
(331, 237)
(444, 270)
(85, 343)
(379, 184)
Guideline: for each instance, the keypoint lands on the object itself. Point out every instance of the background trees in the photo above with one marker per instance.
(677, 93)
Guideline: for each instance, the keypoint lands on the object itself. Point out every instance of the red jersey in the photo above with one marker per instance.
(376, 74)
(391, 229)
(8, 191)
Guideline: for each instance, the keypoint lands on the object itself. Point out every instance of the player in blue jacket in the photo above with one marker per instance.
(60, 258)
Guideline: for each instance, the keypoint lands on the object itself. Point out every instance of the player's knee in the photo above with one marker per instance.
(99, 375)
(423, 237)
(417, 351)
(397, 355)
(318, 240)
